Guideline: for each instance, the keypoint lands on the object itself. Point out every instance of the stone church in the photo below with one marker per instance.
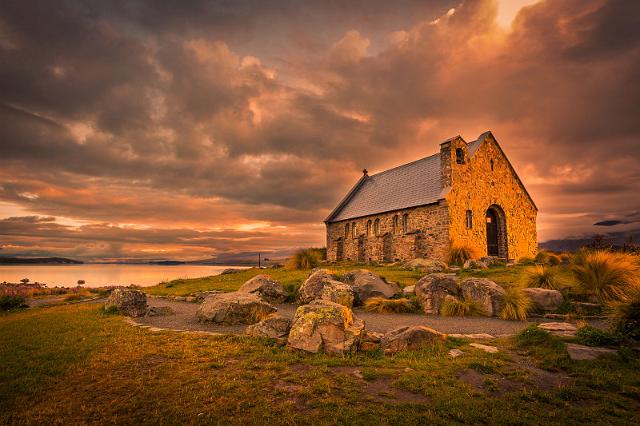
(468, 194)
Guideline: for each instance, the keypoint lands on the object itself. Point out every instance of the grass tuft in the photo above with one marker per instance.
(452, 307)
(308, 258)
(543, 276)
(458, 254)
(592, 336)
(389, 306)
(625, 315)
(515, 304)
(607, 275)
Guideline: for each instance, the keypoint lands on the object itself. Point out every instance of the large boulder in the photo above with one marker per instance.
(266, 288)
(273, 326)
(128, 301)
(410, 337)
(432, 289)
(311, 289)
(543, 298)
(234, 308)
(337, 292)
(429, 266)
(487, 293)
(366, 285)
(475, 264)
(325, 326)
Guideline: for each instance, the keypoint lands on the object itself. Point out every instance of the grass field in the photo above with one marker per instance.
(75, 364)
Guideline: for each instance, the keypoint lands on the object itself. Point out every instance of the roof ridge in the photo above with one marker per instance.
(405, 164)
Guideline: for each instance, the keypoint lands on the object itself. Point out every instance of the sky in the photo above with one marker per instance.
(194, 129)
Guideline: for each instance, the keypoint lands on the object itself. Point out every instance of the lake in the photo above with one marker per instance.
(96, 275)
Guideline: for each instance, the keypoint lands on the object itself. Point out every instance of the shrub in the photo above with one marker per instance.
(607, 275)
(541, 257)
(532, 336)
(625, 316)
(543, 276)
(308, 258)
(553, 260)
(452, 307)
(526, 261)
(592, 336)
(385, 306)
(515, 304)
(10, 302)
(459, 254)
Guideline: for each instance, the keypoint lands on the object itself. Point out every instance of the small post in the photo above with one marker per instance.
(259, 261)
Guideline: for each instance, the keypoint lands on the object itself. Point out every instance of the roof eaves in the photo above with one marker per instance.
(346, 199)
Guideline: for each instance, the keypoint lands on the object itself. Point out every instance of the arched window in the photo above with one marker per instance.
(376, 227)
(396, 224)
(353, 230)
(405, 223)
(491, 163)
(459, 156)
(368, 228)
(346, 230)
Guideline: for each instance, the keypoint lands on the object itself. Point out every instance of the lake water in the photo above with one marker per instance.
(101, 275)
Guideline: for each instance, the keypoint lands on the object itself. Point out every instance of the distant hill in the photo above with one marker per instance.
(38, 261)
(616, 239)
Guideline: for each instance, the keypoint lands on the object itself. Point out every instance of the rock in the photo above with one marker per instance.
(234, 308)
(370, 340)
(325, 326)
(492, 262)
(432, 289)
(454, 353)
(190, 299)
(410, 337)
(563, 329)
(473, 336)
(455, 269)
(180, 298)
(487, 293)
(486, 348)
(157, 311)
(230, 271)
(475, 264)
(544, 299)
(201, 295)
(273, 326)
(429, 266)
(267, 289)
(130, 302)
(589, 309)
(358, 374)
(311, 288)
(409, 290)
(337, 292)
(366, 285)
(580, 352)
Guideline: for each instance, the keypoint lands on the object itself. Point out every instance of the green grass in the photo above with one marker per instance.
(517, 275)
(74, 364)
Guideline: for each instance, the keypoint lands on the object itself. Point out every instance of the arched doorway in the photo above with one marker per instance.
(496, 232)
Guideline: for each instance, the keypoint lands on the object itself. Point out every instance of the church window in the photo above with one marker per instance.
(346, 230)
(396, 224)
(376, 227)
(353, 230)
(469, 219)
(491, 163)
(459, 156)
(405, 223)
(368, 228)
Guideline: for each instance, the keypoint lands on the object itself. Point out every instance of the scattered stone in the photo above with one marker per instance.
(588, 309)
(429, 266)
(157, 311)
(358, 374)
(581, 352)
(325, 326)
(543, 298)
(454, 269)
(366, 285)
(487, 293)
(409, 290)
(130, 302)
(408, 370)
(311, 288)
(337, 292)
(370, 340)
(410, 337)
(190, 299)
(474, 336)
(230, 271)
(486, 348)
(455, 353)
(563, 329)
(432, 289)
(267, 289)
(273, 326)
(475, 264)
(180, 298)
(201, 295)
(234, 308)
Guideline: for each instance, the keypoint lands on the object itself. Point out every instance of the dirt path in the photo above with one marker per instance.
(185, 319)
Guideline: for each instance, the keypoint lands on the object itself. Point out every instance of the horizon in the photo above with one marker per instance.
(154, 132)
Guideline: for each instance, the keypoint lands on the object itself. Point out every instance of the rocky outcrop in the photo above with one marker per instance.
(127, 301)
(273, 326)
(313, 286)
(430, 266)
(409, 290)
(337, 292)
(487, 293)
(544, 299)
(234, 308)
(370, 340)
(410, 337)
(267, 289)
(432, 289)
(475, 264)
(366, 285)
(323, 326)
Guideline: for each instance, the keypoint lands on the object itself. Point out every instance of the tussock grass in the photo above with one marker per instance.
(458, 254)
(607, 275)
(553, 259)
(624, 315)
(543, 276)
(452, 307)
(515, 304)
(390, 306)
(307, 258)
(541, 257)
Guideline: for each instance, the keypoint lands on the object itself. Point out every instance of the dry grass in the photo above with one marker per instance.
(458, 254)
(515, 304)
(543, 276)
(452, 307)
(308, 258)
(607, 275)
(390, 306)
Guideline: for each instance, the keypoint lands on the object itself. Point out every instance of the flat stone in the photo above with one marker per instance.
(454, 353)
(581, 352)
(563, 329)
(486, 348)
(475, 336)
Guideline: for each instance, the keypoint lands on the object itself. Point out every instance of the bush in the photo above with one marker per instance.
(386, 306)
(554, 260)
(459, 254)
(515, 304)
(452, 307)
(625, 316)
(543, 276)
(532, 336)
(308, 258)
(607, 275)
(526, 260)
(592, 336)
(10, 302)
(541, 257)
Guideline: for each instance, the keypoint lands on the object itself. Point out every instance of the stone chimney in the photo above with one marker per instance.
(445, 163)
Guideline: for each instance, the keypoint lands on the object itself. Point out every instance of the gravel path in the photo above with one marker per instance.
(185, 319)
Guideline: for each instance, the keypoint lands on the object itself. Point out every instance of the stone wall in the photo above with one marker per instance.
(476, 187)
(427, 236)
